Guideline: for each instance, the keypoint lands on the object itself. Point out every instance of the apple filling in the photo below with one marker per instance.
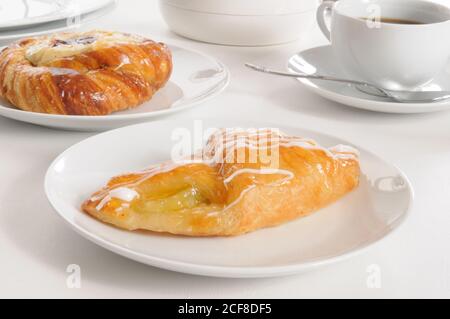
(185, 199)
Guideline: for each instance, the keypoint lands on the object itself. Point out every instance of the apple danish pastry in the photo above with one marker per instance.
(92, 73)
(240, 182)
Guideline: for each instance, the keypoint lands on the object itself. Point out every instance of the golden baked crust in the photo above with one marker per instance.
(217, 194)
(92, 73)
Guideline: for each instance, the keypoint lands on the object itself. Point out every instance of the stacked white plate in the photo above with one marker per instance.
(26, 18)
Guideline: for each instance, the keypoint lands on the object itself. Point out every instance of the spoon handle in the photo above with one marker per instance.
(303, 76)
(398, 96)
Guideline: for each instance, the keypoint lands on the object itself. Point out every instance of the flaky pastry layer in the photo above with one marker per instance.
(228, 189)
(91, 73)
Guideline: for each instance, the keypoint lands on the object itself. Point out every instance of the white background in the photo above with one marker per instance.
(36, 246)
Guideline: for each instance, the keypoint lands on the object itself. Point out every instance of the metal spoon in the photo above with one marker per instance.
(399, 96)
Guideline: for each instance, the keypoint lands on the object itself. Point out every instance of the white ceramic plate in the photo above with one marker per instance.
(9, 36)
(196, 78)
(367, 215)
(320, 60)
(19, 14)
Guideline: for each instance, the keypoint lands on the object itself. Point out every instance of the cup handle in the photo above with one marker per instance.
(323, 12)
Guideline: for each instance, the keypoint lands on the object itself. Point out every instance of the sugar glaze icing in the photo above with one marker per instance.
(225, 142)
(66, 45)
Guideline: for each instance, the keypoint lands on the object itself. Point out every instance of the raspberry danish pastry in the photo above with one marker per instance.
(92, 73)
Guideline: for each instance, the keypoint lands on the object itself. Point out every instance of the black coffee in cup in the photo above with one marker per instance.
(396, 21)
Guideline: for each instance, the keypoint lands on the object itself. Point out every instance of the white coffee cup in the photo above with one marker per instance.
(392, 55)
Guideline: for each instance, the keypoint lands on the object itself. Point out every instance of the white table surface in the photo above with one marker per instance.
(36, 246)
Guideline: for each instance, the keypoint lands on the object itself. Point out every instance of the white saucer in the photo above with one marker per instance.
(320, 60)
(364, 217)
(196, 78)
(19, 14)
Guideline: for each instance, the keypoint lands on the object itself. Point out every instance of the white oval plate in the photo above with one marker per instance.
(19, 14)
(367, 215)
(321, 60)
(196, 78)
(8, 36)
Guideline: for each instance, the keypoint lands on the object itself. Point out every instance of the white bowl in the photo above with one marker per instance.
(246, 7)
(222, 27)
